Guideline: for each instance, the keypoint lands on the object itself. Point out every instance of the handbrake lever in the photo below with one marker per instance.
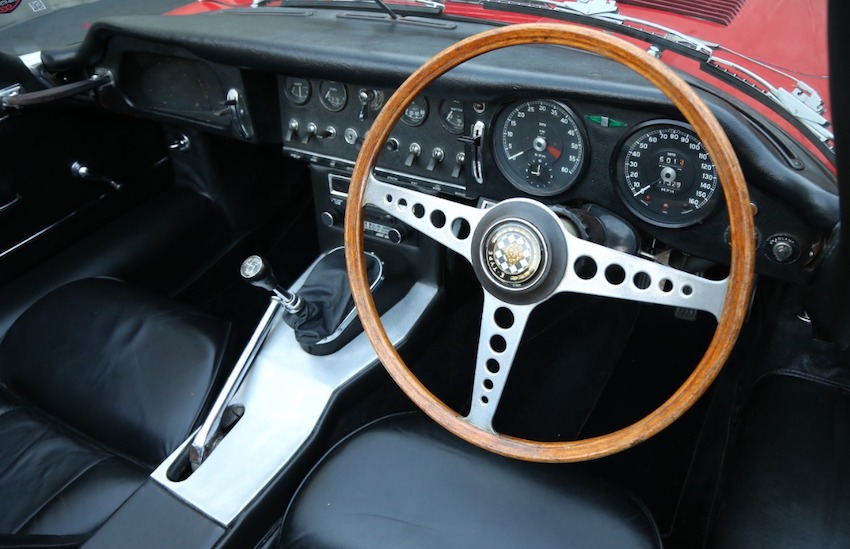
(256, 271)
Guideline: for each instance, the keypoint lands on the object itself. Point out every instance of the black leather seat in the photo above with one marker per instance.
(787, 477)
(100, 382)
(405, 482)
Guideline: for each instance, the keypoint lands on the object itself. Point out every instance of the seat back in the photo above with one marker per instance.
(123, 366)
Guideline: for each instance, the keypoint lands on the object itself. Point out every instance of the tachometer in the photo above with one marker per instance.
(540, 147)
(665, 175)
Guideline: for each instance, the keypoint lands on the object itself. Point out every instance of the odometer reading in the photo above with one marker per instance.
(665, 175)
(540, 147)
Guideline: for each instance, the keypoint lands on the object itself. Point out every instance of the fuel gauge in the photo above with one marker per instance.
(334, 95)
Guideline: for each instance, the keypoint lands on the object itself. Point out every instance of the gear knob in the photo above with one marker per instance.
(256, 270)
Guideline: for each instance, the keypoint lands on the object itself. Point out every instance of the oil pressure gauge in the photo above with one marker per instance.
(665, 175)
(416, 112)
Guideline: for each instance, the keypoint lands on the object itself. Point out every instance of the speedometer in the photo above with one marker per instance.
(665, 175)
(539, 146)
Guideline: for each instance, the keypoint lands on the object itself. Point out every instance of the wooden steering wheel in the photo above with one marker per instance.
(512, 290)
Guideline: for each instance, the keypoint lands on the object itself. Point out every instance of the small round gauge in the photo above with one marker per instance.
(539, 146)
(334, 95)
(416, 112)
(298, 90)
(451, 115)
(665, 175)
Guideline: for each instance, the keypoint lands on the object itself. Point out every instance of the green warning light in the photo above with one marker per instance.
(605, 122)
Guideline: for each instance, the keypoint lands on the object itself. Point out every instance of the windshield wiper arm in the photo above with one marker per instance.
(395, 12)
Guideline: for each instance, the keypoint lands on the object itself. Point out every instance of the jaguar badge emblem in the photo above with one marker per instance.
(513, 254)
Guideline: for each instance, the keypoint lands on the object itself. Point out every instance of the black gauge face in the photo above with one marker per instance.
(665, 176)
(416, 113)
(334, 95)
(298, 90)
(540, 147)
(451, 115)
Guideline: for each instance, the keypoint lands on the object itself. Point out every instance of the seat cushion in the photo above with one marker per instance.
(121, 365)
(405, 482)
(99, 382)
(786, 483)
(53, 481)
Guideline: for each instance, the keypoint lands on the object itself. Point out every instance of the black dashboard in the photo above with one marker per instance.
(568, 128)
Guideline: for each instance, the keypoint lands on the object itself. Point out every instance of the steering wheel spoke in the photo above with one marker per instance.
(449, 223)
(601, 271)
(502, 326)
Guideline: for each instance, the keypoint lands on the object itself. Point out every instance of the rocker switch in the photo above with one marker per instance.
(414, 151)
(437, 156)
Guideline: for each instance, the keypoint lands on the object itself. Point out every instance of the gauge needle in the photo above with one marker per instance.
(554, 152)
(517, 155)
(643, 190)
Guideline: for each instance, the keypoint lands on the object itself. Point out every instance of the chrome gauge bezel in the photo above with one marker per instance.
(632, 189)
(421, 103)
(564, 171)
(304, 84)
(339, 91)
(447, 109)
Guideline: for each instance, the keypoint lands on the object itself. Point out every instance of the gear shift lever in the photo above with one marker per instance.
(322, 313)
(256, 270)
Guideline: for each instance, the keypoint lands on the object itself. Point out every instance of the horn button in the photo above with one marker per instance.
(522, 254)
(514, 251)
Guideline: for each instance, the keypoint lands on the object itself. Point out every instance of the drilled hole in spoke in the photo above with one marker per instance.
(498, 344)
(642, 281)
(488, 384)
(460, 228)
(402, 204)
(615, 275)
(585, 267)
(493, 366)
(665, 285)
(388, 198)
(504, 318)
(687, 290)
(484, 400)
(418, 211)
(438, 219)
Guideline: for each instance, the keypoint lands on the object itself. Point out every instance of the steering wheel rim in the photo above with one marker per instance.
(739, 283)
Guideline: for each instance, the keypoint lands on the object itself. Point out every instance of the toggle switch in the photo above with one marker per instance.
(414, 151)
(437, 156)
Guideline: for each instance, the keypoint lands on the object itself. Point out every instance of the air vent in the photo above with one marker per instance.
(716, 11)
